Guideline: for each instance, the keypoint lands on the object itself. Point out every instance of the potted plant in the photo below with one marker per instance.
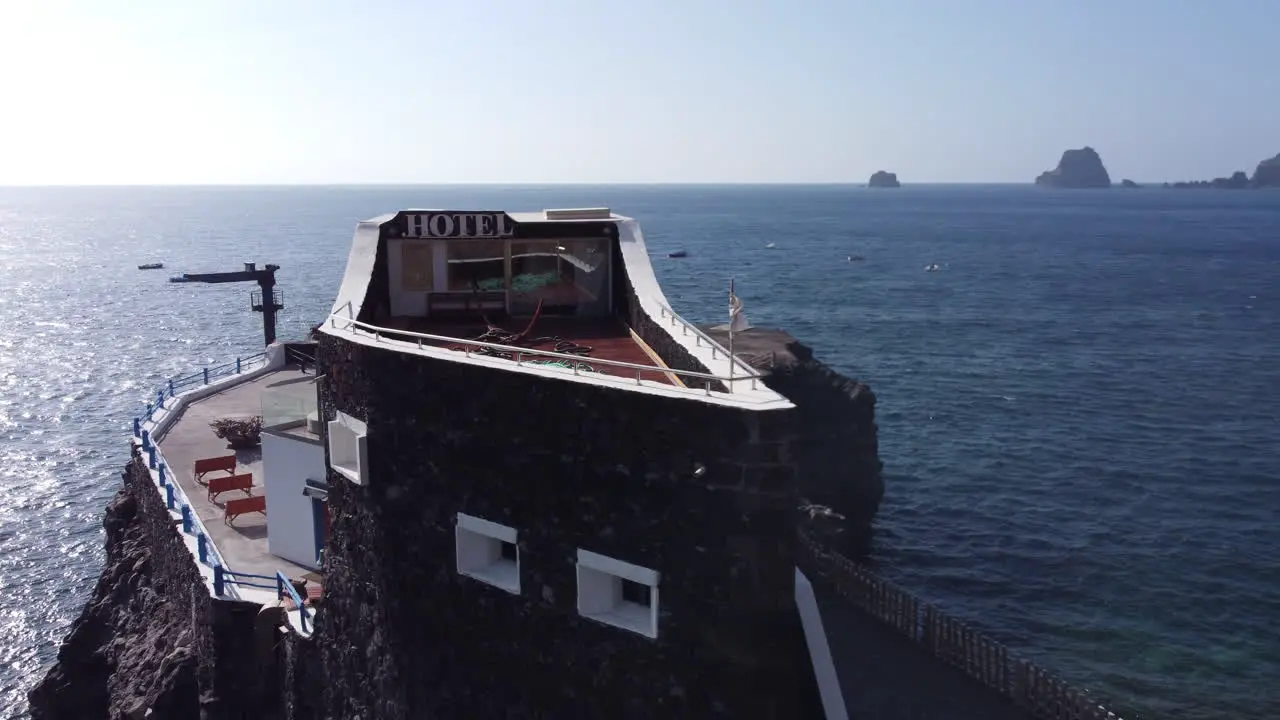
(240, 433)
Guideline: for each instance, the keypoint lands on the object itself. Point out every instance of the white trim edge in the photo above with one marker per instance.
(815, 636)
(618, 568)
(487, 528)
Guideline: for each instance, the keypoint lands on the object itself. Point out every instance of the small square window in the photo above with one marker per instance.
(618, 593)
(349, 449)
(488, 552)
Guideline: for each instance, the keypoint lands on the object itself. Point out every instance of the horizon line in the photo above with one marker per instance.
(839, 183)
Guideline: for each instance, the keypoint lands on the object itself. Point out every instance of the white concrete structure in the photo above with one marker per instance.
(815, 637)
(287, 463)
(618, 593)
(349, 448)
(487, 551)
(745, 390)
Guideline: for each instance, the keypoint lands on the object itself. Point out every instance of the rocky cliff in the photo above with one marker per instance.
(837, 449)
(883, 179)
(1081, 168)
(151, 642)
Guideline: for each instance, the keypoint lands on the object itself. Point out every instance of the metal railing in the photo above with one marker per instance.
(700, 337)
(949, 640)
(283, 585)
(224, 576)
(174, 497)
(178, 385)
(519, 354)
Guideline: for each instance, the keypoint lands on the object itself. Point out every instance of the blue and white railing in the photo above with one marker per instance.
(149, 428)
(179, 385)
(224, 578)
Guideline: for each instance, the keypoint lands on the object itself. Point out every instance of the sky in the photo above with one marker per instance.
(602, 91)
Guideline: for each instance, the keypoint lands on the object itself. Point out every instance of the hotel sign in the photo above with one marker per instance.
(448, 224)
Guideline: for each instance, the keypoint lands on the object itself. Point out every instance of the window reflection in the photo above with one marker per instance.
(569, 277)
(477, 265)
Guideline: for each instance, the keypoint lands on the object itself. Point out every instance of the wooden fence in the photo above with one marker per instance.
(950, 640)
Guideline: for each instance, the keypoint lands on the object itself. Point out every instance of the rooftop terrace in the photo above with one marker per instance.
(605, 338)
(242, 545)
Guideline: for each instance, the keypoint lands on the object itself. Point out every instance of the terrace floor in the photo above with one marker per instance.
(243, 546)
(589, 338)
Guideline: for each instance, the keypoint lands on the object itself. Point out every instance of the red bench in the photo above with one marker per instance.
(219, 485)
(241, 506)
(208, 465)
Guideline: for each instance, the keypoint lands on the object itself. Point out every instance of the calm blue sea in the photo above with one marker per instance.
(1078, 412)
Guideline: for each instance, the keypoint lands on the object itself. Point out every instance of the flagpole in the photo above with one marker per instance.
(731, 321)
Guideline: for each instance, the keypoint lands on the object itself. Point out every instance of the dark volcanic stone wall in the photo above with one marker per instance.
(150, 636)
(657, 335)
(568, 465)
(836, 445)
(302, 679)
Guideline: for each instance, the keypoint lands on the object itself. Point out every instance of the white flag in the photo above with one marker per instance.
(737, 318)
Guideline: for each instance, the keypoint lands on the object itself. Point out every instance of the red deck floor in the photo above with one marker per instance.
(604, 339)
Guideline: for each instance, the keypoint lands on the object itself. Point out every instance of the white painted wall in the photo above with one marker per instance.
(286, 465)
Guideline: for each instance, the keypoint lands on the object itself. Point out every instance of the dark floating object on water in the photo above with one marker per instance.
(151, 266)
(678, 254)
(179, 278)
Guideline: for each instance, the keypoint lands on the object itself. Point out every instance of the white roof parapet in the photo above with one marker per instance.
(747, 390)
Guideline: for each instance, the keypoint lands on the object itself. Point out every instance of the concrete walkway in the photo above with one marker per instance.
(885, 675)
(243, 546)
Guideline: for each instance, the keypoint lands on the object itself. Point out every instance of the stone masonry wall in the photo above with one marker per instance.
(836, 447)
(657, 335)
(569, 466)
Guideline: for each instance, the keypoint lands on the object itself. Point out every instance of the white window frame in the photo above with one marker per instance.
(349, 448)
(600, 593)
(478, 548)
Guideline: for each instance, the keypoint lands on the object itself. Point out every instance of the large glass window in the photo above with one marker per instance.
(569, 277)
(477, 265)
(416, 267)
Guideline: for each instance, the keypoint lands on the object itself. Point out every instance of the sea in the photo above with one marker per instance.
(1079, 409)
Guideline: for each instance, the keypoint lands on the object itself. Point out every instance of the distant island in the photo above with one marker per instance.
(1267, 174)
(883, 179)
(1077, 169)
(1083, 168)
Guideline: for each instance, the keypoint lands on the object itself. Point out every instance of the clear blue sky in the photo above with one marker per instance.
(281, 91)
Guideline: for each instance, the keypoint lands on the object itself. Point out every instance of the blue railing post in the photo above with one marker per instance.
(151, 457)
(237, 366)
(162, 469)
(202, 546)
(146, 439)
(137, 427)
(160, 398)
(186, 519)
(218, 580)
(149, 410)
(171, 387)
(206, 376)
(168, 495)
